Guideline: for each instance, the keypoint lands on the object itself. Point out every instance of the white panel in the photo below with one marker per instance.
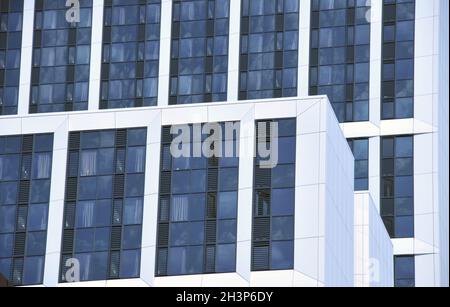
(245, 196)
(227, 112)
(56, 210)
(423, 155)
(233, 50)
(303, 52)
(424, 271)
(36, 124)
(423, 189)
(308, 159)
(177, 115)
(149, 231)
(10, 126)
(126, 283)
(270, 278)
(96, 55)
(376, 26)
(423, 83)
(374, 170)
(92, 121)
(26, 57)
(283, 109)
(306, 258)
(307, 212)
(164, 53)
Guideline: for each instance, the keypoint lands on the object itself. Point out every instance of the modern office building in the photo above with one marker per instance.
(93, 97)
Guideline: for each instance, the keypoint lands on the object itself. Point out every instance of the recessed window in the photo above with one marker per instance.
(397, 185)
(340, 57)
(199, 51)
(360, 149)
(25, 172)
(197, 228)
(398, 59)
(404, 273)
(61, 58)
(274, 202)
(10, 55)
(269, 49)
(104, 204)
(130, 57)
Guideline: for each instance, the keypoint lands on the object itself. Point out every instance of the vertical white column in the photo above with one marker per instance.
(303, 51)
(245, 195)
(164, 53)
(150, 214)
(374, 170)
(234, 50)
(26, 57)
(376, 28)
(96, 55)
(56, 205)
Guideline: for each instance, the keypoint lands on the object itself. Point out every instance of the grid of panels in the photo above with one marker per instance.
(398, 59)
(199, 55)
(360, 149)
(10, 50)
(104, 202)
(197, 210)
(340, 56)
(397, 185)
(130, 64)
(61, 58)
(269, 49)
(25, 172)
(274, 202)
(404, 271)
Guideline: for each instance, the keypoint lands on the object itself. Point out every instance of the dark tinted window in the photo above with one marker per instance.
(104, 204)
(25, 175)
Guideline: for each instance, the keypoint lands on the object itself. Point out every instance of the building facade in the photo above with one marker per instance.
(88, 97)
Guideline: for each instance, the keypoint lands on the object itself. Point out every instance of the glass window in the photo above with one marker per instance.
(36, 243)
(42, 165)
(282, 201)
(398, 60)
(274, 203)
(60, 83)
(135, 185)
(226, 258)
(130, 48)
(40, 191)
(37, 217)
(197, 212)
(227, 231)
(33, 270)
(130, 264)
(31, 164)
(10, 53)
(107, 200)
(282, 255)
(397, 193)
(6, 244)
(132, 237)
(187, 233)
(132, 213)
(7, 218)
(404, 271)
(185, 260)
(227, 206)
(340, 56)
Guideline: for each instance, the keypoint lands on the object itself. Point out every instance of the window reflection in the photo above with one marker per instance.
(25, 172)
